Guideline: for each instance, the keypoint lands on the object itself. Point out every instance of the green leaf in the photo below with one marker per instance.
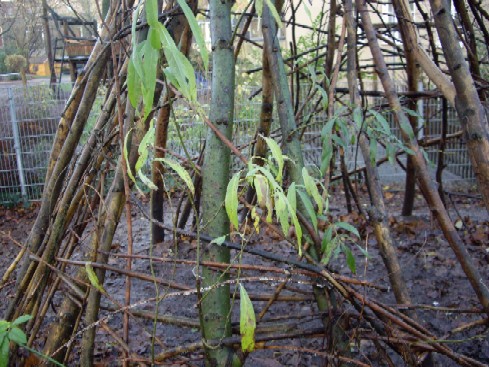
(358, 117)
(406, 127)
(382, 123)
(247, 321)
(179, 71)
(312, 189)
(196, 31)
(135, 17)
(133, 84)
(348, 227)
(274, 12)
(364, 251)
(231, 200)
(4, 351)
(277, 155)
(4, 325)
(126, 156)
(181, 172)
(291, 196)
(281, 211)
(328, 245)
(350, 259)
(148, 85)
(152, 12)
(262, 190)
(259, 7)
(373, 150)
(310, 209)
(21, 319)
(17, 336)
(219, 240)
(92, 277)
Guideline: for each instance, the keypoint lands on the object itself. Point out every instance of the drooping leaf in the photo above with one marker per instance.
(277, 156)
(152, 12)
(259, 7)
(150, 63)
(382, 123)
(274, 12)
(17, 336)
(231, 199)
(196, 31)
(262, 190)
(358, 117)
(309, 208)
(133, 84)
(350, 259)
(348, 227)
(181, 172)
(406, 127)
(292, 197)
(312, 189)
(219, 240)
(373, 150)
(179, 71)
(247, 321)
(92, 277)
(126, 156)
(281, 211)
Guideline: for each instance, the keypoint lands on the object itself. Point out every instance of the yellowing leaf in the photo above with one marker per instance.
(247, 321)
(92, 277)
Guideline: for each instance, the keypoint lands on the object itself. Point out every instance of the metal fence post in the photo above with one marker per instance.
(17, 146)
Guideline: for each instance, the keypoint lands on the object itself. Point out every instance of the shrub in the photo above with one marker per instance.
(15, 63)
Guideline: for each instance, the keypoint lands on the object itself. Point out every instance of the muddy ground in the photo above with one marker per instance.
(435, 280)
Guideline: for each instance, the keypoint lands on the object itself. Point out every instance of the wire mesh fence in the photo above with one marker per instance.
(29, 118)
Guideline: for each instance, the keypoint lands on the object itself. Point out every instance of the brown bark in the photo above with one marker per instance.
(467, 102)
(377, 214)
(426, 184)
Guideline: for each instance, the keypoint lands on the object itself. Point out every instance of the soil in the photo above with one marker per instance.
(434, 277)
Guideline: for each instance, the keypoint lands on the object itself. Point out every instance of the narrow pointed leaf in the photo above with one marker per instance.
(92, 277)
(247, 321)
(196, 31)
(231, 200)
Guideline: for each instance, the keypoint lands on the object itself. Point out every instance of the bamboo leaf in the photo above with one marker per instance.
(133, 84)
(196, 31)
(152, 12)
(358, 117)
(126, 156)
(148, 84)
(406, 127)
(277, 155)
(92, 277)
(262, 190)
(274, 12)
(350, 259)
(281, 211)
(310, 209)
(382, 123)
(292, 197)
(312, 189)
(231, 200)
(348, 227)
(259, 7)
(247, 321)
(181, 172)
(219, 240)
